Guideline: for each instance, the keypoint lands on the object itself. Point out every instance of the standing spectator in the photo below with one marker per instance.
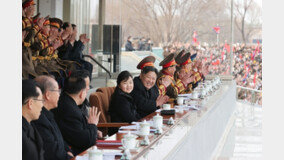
(128, 45)
(77, 51)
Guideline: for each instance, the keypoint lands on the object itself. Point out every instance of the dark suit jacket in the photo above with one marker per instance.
(32, 144)
(74, 126)
(144, 99)
(122, 107)
(77, 51)
(128, 46)
(54, 145)
(64, 51)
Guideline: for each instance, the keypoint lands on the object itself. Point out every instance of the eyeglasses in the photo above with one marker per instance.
(55, 90)
(42, 100)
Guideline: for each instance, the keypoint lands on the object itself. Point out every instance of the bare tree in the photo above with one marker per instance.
(247, 17)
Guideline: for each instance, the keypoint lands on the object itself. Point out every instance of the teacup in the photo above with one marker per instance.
(95, 154)
(180, 100)
(129, 141)
(192, 103)
(144, 128)
(166, 106)
(157, 121)
(195, 95)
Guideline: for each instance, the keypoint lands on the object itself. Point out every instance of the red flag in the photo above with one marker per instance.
(227, 47)
(217, 29)
(194, 37)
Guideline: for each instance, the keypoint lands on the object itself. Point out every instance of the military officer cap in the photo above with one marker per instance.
(185, 59)
(28, 3)
(168, 61)
(147, 61)
(55, 22)
(192, 57)
(180, 54)
(46, 22)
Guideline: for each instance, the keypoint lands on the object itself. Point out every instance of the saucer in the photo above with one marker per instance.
(194, 98)
(140, 135)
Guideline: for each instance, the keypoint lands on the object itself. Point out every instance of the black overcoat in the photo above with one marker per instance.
(75, 129)
(32, 144)
(54, 146)
(144, 99)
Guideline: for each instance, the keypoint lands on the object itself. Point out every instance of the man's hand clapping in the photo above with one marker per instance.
(94, 116)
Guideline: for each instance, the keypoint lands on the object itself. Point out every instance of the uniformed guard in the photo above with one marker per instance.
(55, 34)
(167, 73)
(184, 68)
(29, 29)
(198, 71)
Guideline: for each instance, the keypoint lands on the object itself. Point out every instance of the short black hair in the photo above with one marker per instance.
(124, 75)
(74, 26)
(73, 85)
(147, 69)
(80, 73)
(65, 25)
(29, 90)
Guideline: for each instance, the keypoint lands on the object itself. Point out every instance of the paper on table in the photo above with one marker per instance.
(112, 153)
(185, 95)
(106, 156)
(84, 157)
(121, 131)
(137, 123)
(129, 127)
(158, 110)
(194, 107)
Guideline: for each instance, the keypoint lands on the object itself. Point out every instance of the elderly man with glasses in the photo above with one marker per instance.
(54, 146)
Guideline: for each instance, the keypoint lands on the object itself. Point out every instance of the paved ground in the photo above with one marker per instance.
(246, 134)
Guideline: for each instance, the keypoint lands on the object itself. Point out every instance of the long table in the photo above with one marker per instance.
(195, 133)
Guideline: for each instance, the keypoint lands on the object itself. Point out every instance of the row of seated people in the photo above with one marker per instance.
(49, 46)
(60, 125)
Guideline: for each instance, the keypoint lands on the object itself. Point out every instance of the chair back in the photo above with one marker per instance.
(101, 99)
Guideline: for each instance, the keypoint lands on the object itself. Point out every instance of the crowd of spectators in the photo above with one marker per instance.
(247, 60)
(138, 44)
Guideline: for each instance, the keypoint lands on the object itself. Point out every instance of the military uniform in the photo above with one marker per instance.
(31, 29)
(198, 76)
(176, 87)
(183, 60)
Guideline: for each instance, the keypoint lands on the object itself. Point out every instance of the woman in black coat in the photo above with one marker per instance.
(122, 107)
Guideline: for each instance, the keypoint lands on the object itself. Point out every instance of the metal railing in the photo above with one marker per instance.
(98, 63)
(249, 95)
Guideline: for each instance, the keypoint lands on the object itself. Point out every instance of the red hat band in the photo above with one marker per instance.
(147, 64)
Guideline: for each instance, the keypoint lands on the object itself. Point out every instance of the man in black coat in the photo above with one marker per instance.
(145, 92)
(76, 53)
(32, 102)
(128, 45)
(54, 145)
(77, 130)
